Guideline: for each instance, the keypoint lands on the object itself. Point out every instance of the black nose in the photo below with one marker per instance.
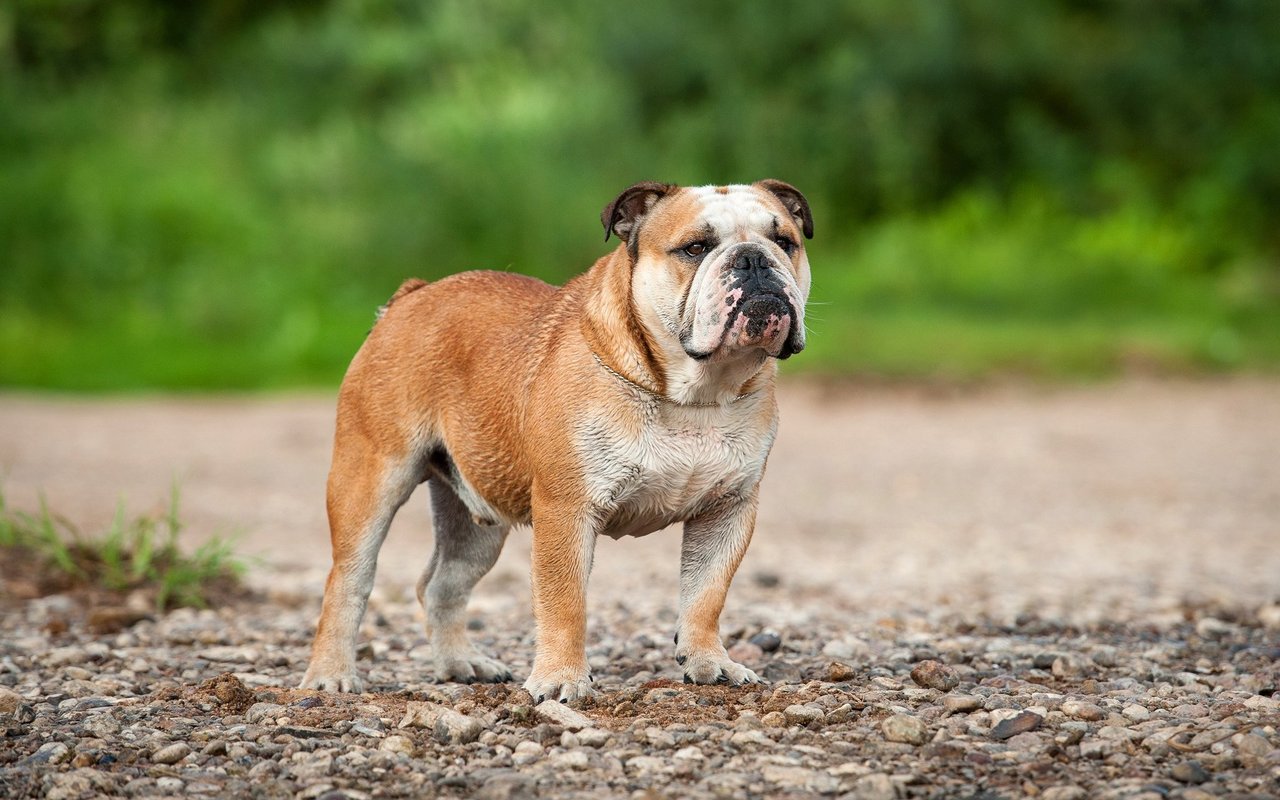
(752, 262)
(752, 271)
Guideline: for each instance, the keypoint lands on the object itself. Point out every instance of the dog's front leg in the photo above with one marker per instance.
(712, 548)
(564, 540)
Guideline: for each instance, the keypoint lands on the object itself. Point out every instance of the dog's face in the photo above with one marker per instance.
(719, 270)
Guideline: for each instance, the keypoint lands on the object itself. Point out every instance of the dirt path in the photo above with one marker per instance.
(1077, 501)
(1062, 593)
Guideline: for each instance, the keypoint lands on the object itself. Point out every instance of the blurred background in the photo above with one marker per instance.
(219, 194)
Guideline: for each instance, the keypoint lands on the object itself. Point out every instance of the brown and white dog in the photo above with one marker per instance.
(638, 395)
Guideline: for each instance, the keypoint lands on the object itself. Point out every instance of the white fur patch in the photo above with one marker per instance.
(736, 211)
(684, 460)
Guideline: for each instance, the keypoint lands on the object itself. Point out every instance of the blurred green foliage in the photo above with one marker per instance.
(218, 194)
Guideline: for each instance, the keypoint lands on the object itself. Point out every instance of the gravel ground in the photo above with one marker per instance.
(1013, 592)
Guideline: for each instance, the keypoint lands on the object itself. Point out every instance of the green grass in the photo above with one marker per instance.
(1029, 287)
(141, 553)
(990, 197)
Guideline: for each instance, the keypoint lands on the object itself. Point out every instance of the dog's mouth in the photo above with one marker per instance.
(764, 320)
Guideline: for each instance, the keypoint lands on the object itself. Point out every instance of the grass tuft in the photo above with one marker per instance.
(43, 553)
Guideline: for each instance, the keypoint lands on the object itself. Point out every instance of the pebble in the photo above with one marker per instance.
(9, 700)
(1089, 712)
(802, 714)
(876, 786)
(905, 728)
(1025, 722)
(1069, 667)
(935, 675)
(854, 726)
(1189, 772)
(560, 714)
(767, 641)
(171, 754)
(961, 703)
(527, 752)
(573, 759)
(397, 744)
(1136, 712)
(839, 672)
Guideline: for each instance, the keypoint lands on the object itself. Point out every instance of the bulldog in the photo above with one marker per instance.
(639, 394)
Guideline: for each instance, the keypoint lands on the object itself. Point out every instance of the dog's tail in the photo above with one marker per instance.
(411, 285)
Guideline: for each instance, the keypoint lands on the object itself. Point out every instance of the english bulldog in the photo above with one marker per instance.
(639, 394)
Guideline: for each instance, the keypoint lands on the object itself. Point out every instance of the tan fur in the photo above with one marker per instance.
(505, 373)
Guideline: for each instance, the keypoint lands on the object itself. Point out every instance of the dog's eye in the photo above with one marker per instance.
(696, 249)
(785, 244)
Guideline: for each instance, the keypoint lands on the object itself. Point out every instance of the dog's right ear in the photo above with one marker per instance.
(620, 216)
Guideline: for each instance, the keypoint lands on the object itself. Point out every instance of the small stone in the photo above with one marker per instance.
(169, 785)
(1097, 748)
(229, 654)
(658, 695)
(961, 703)
(527, 752)
(397, 743)
(767, 641)
(171, 754)
(560, 714)
(840, 649)
(839, 672)
(9, 700)
(935, 675)
(781, 671)
(905, 728)
(1068, 667)
(593, 737)
(506, 785)
(50, 753)
(1254, 750)
(767, 580)
(802, 714)
(1189, 772)
(1024, 722)
(876, 786)
(647, 765)
(101, 726)
(1212, 627)
(1064, 793)
(65, 656)
(573, 759)
(744, 738)
(264, 712)
(1136, 712)
(774, 719)
(1089, 712)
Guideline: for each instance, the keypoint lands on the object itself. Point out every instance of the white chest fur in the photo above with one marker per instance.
(681, 460)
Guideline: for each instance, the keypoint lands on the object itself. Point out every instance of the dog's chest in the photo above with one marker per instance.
(671, 468)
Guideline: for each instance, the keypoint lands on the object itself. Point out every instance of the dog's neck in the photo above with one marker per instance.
(653, 360)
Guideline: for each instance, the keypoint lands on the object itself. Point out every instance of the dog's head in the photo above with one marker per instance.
(720, 270)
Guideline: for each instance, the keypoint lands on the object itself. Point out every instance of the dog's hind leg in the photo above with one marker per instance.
(366, 488)
(464, 552)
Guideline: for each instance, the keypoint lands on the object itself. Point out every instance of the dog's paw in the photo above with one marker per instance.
(332, 681)
(715, 668)
(565, 684)
(471, 668)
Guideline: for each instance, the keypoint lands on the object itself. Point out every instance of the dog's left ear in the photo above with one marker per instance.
(620, 216)
(793, 201)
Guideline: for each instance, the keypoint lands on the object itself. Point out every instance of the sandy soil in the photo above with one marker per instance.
(1087, 503)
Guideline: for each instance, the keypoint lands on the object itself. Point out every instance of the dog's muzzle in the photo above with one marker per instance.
(764, 315)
